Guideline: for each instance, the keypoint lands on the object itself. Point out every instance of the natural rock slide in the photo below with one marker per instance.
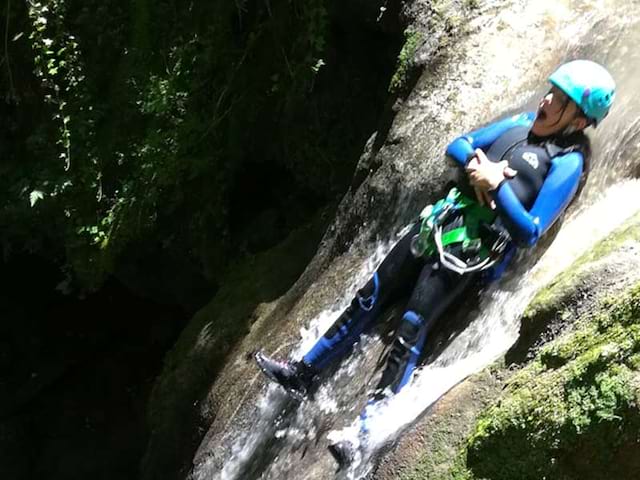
(496, 63)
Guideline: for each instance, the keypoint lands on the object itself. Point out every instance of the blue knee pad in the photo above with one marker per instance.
(414, 345)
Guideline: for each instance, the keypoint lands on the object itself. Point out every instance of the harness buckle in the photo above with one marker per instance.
(502, 239)
(472, 245)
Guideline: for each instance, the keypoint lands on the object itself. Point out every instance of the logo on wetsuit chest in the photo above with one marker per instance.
(531, 158)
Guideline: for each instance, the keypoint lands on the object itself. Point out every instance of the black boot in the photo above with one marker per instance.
(343, 452)
(295, 377)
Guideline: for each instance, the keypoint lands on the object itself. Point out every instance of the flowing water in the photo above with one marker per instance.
(280, 444)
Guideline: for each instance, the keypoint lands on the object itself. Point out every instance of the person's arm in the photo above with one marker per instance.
(556, 193)
(462, 149)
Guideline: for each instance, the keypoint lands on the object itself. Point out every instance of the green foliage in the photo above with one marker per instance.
(146, 120)
(57, 64)
(413, 40)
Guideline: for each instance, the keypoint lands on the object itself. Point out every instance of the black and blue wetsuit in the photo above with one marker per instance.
(550, 171)
(549, 174)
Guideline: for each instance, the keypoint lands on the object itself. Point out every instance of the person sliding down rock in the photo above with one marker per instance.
(521, 174)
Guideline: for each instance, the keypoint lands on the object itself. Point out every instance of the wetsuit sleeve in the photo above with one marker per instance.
(463, 147)
(556, 193)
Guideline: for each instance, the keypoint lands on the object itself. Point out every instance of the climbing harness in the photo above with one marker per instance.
(431, 239)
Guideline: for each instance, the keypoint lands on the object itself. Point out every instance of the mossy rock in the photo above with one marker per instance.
(612, 265)
(405, 59)
(574, 411)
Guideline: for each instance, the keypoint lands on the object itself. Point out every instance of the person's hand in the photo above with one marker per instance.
(484, 198)
(486, 176)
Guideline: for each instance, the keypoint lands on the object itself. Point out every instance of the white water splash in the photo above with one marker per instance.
(270, 404)
(269, 407)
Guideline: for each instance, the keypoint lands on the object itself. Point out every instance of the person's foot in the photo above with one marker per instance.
(295, 377)
(343, 452)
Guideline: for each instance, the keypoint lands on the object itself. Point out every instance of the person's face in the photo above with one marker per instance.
(556, 111)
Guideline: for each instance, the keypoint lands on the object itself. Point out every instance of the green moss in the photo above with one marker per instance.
(412, 41)
(633, 362)
(578, 399)
(438, 465)
(431, 466)
(459, 471)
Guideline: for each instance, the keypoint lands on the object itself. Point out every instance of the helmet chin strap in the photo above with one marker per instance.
(569, 129)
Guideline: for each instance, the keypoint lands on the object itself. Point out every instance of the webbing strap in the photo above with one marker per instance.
(457, 235)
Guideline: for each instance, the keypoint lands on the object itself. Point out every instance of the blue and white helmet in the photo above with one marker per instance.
(589, 85)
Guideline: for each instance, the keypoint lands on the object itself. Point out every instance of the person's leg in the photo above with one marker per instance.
(399, 269)
(436, 289)
(396, 273)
